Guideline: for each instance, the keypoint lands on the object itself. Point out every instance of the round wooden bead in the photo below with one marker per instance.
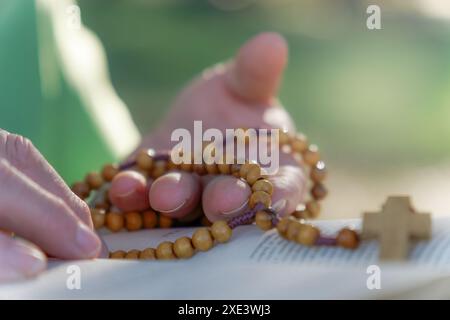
(159, 168)
(147, 254)
(183, 248)
(133, 221)
(224, 168)
(221, 231)
(187, 167)
(98, 218)
(348, 239)
(319, 191)
(211, 168)
(313, 209)
(114, 221)
(132, 254)
(307, 235)
(119, 254)
(171, 165)
(102, 206)
(81, 189)
(149, 219)
(301, 212)
(253, 174)
(164, 251)
(245, 169)
(260, 197)
(311, 156)
(109, 171)
(318, 172)
(293, 230)
(299, 143)
(263, 220)
(165, 222)
(144, 160)
(283, 137)
(94, 180)
(282, 225)
(235, 169)
(202, 239)
(263, 185)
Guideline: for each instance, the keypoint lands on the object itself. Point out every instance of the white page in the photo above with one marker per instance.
(251, 265)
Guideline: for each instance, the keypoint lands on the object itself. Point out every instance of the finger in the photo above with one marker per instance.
(37, 215)
(225, 197)
(21, 153)
(19, 259)
(129, 191)
(257, 69)
(175, 194)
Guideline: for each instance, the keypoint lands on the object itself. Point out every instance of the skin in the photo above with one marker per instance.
(55, 221)
(239, 94)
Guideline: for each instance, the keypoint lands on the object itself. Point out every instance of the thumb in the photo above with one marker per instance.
(256, 71)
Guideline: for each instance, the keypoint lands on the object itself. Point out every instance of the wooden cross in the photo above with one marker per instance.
(394, 226)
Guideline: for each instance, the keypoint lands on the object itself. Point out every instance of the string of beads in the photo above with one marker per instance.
(153, 165)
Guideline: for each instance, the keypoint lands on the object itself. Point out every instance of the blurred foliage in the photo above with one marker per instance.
(373, 99)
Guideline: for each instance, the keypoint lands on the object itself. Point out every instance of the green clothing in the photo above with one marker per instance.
(36, 99)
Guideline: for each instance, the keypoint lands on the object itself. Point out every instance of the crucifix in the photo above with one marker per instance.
(395, 226)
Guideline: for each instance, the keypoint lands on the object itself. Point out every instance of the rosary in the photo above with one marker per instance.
(293, 228)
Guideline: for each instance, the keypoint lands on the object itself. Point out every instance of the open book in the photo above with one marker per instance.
(253, 265)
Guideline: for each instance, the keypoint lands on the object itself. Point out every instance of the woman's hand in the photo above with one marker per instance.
(239, 94)
(36, 205)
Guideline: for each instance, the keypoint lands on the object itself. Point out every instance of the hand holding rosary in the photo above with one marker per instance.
(292, 228)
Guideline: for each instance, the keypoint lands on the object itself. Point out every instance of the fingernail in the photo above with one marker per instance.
(87, 242)
(178, 207)
(237, 209)
(24, 261)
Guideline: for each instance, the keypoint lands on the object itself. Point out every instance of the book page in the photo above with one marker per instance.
(252, 265)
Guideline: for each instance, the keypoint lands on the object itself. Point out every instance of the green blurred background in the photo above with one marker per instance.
(376, 101)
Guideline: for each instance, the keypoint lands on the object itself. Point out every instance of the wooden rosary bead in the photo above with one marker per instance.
(187, 167)
(311, 156)
(159, 168)
(260, 197)
(94, 180)
(98, 218)
(235, 170)
(133, 221)
(183, 248)
(301, 212)
(253, 174)
(171, 165)
(282, 225)
(245, 169)
(81, 189)
(119, 254)
(149, 219)
(211, 168)
(132, 254)
(263, 220)
(102, 206)
(307, 235)
(164, 251)
(202, 239)
(313, 209)
(144, 160)
(318, 172)
(224, 168)
(347, 238)
(293, 230)
(165, 222)
(318, 191)
(221, 231)
(114, 221)
(299, 143)
(263, 185)
(147, 254)
(284, 137)
(109, 171)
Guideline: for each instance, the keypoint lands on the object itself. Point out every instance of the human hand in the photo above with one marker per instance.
(36, 205)
(240, 94)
